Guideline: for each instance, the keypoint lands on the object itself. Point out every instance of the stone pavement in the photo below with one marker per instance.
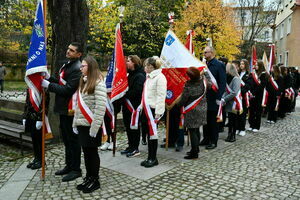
(264, 165)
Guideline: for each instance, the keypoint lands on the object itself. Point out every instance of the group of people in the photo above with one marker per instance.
(81, 98)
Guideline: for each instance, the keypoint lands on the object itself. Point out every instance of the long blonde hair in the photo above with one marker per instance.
(231, 69)
(93, 76)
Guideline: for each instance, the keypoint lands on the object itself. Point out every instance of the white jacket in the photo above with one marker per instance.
(96, 103)
(157, 91)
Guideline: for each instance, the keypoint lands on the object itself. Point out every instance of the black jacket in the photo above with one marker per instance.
(218, 71)
(136, 81)
(65, 92)
(258, 90)
(30, 113)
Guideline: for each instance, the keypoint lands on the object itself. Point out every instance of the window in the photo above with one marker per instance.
(289, 26)
(266, 35)
(280, 59)
(286, 63)
(281, 30)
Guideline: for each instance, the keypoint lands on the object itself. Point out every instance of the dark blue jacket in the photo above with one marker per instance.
(218, 71)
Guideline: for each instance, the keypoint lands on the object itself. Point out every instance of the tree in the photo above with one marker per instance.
(69, 19)
(16, 19)
(146, 24)
(209, 19)
(256, 18)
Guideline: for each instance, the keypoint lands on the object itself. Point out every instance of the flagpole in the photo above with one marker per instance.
(44, 102)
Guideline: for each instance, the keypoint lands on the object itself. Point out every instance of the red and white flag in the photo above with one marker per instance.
(176, 59)
(119, 82)
(189, 41)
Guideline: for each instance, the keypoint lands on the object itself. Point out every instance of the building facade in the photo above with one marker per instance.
(287, 33)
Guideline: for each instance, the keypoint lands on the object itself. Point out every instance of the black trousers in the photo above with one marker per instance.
(211, 129)
(233, 122)
(92, 161)
(152, 144)
(195, 137)
(107, 122)
(71, 142)
(255, 111)
(241, 118)
(272, 114)
(174, 125)
(36, 136)
(132, 135)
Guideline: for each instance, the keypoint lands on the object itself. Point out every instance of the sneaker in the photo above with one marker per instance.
(125, 151)
(105, 146)
(255, 130)
(242, 133)
(250, 129)
(133, 153)
(268, 121)
(111, 146)
(272, 122)
(93, 185)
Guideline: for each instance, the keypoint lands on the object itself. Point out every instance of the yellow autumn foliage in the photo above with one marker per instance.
(210, 19)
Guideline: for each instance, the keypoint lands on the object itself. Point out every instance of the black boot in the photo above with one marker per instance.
(93, 185)
(85, 182)
(229, 137)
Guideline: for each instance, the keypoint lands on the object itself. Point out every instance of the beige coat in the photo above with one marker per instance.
(96, 103)
(157, 91)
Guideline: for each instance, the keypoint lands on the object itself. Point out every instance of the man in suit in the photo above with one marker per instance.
(217, 69)
(64, 88)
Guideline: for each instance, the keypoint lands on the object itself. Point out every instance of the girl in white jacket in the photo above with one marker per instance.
(88, 119)
(153, 101)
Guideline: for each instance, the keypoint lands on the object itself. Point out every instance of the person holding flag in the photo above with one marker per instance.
(153, 102)
(32, 120)
(132, 104)
(64, 87)
(193, 98)
(217, 69)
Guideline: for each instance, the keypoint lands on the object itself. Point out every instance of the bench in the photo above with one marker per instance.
(11, 121)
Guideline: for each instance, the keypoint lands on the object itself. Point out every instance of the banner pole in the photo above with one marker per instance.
(43, 103)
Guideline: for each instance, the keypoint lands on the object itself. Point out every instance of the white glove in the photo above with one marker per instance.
(38, 125)
(46, 75)
(93, 134)
(75, 130)
(24, 122)
(45, 83)
(222, 101)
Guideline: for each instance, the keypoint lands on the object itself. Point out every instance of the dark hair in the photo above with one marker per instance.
(246, 63)
(79, 46)
(136, 60)
(261, 67)
(224, 60)
(276, 72)
(193, 73)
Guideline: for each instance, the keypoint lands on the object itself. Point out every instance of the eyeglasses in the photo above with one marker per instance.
(207, 51)
(82, 66)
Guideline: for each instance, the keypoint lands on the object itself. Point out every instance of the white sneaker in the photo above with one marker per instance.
(249, 129)
(255, 130)
(272, 122)
(104, 146)
(242, 133)
(268, 121)
(111, 146)
(237, 132)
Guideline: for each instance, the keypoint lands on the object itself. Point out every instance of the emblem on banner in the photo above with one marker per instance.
(169, 40)
(169, 94)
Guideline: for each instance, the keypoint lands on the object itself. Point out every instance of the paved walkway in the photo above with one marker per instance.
(264, 165)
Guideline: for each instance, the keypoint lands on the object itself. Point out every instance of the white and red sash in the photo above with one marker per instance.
(237, 106)
(192, 105)
(273, 82)
(214, 85)
(135, 113)
(277, 103)
(265, 98)
(110, 112)
(255, 78)
(73, 101)
(86, 112)
(220, 113)
(152, 124)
